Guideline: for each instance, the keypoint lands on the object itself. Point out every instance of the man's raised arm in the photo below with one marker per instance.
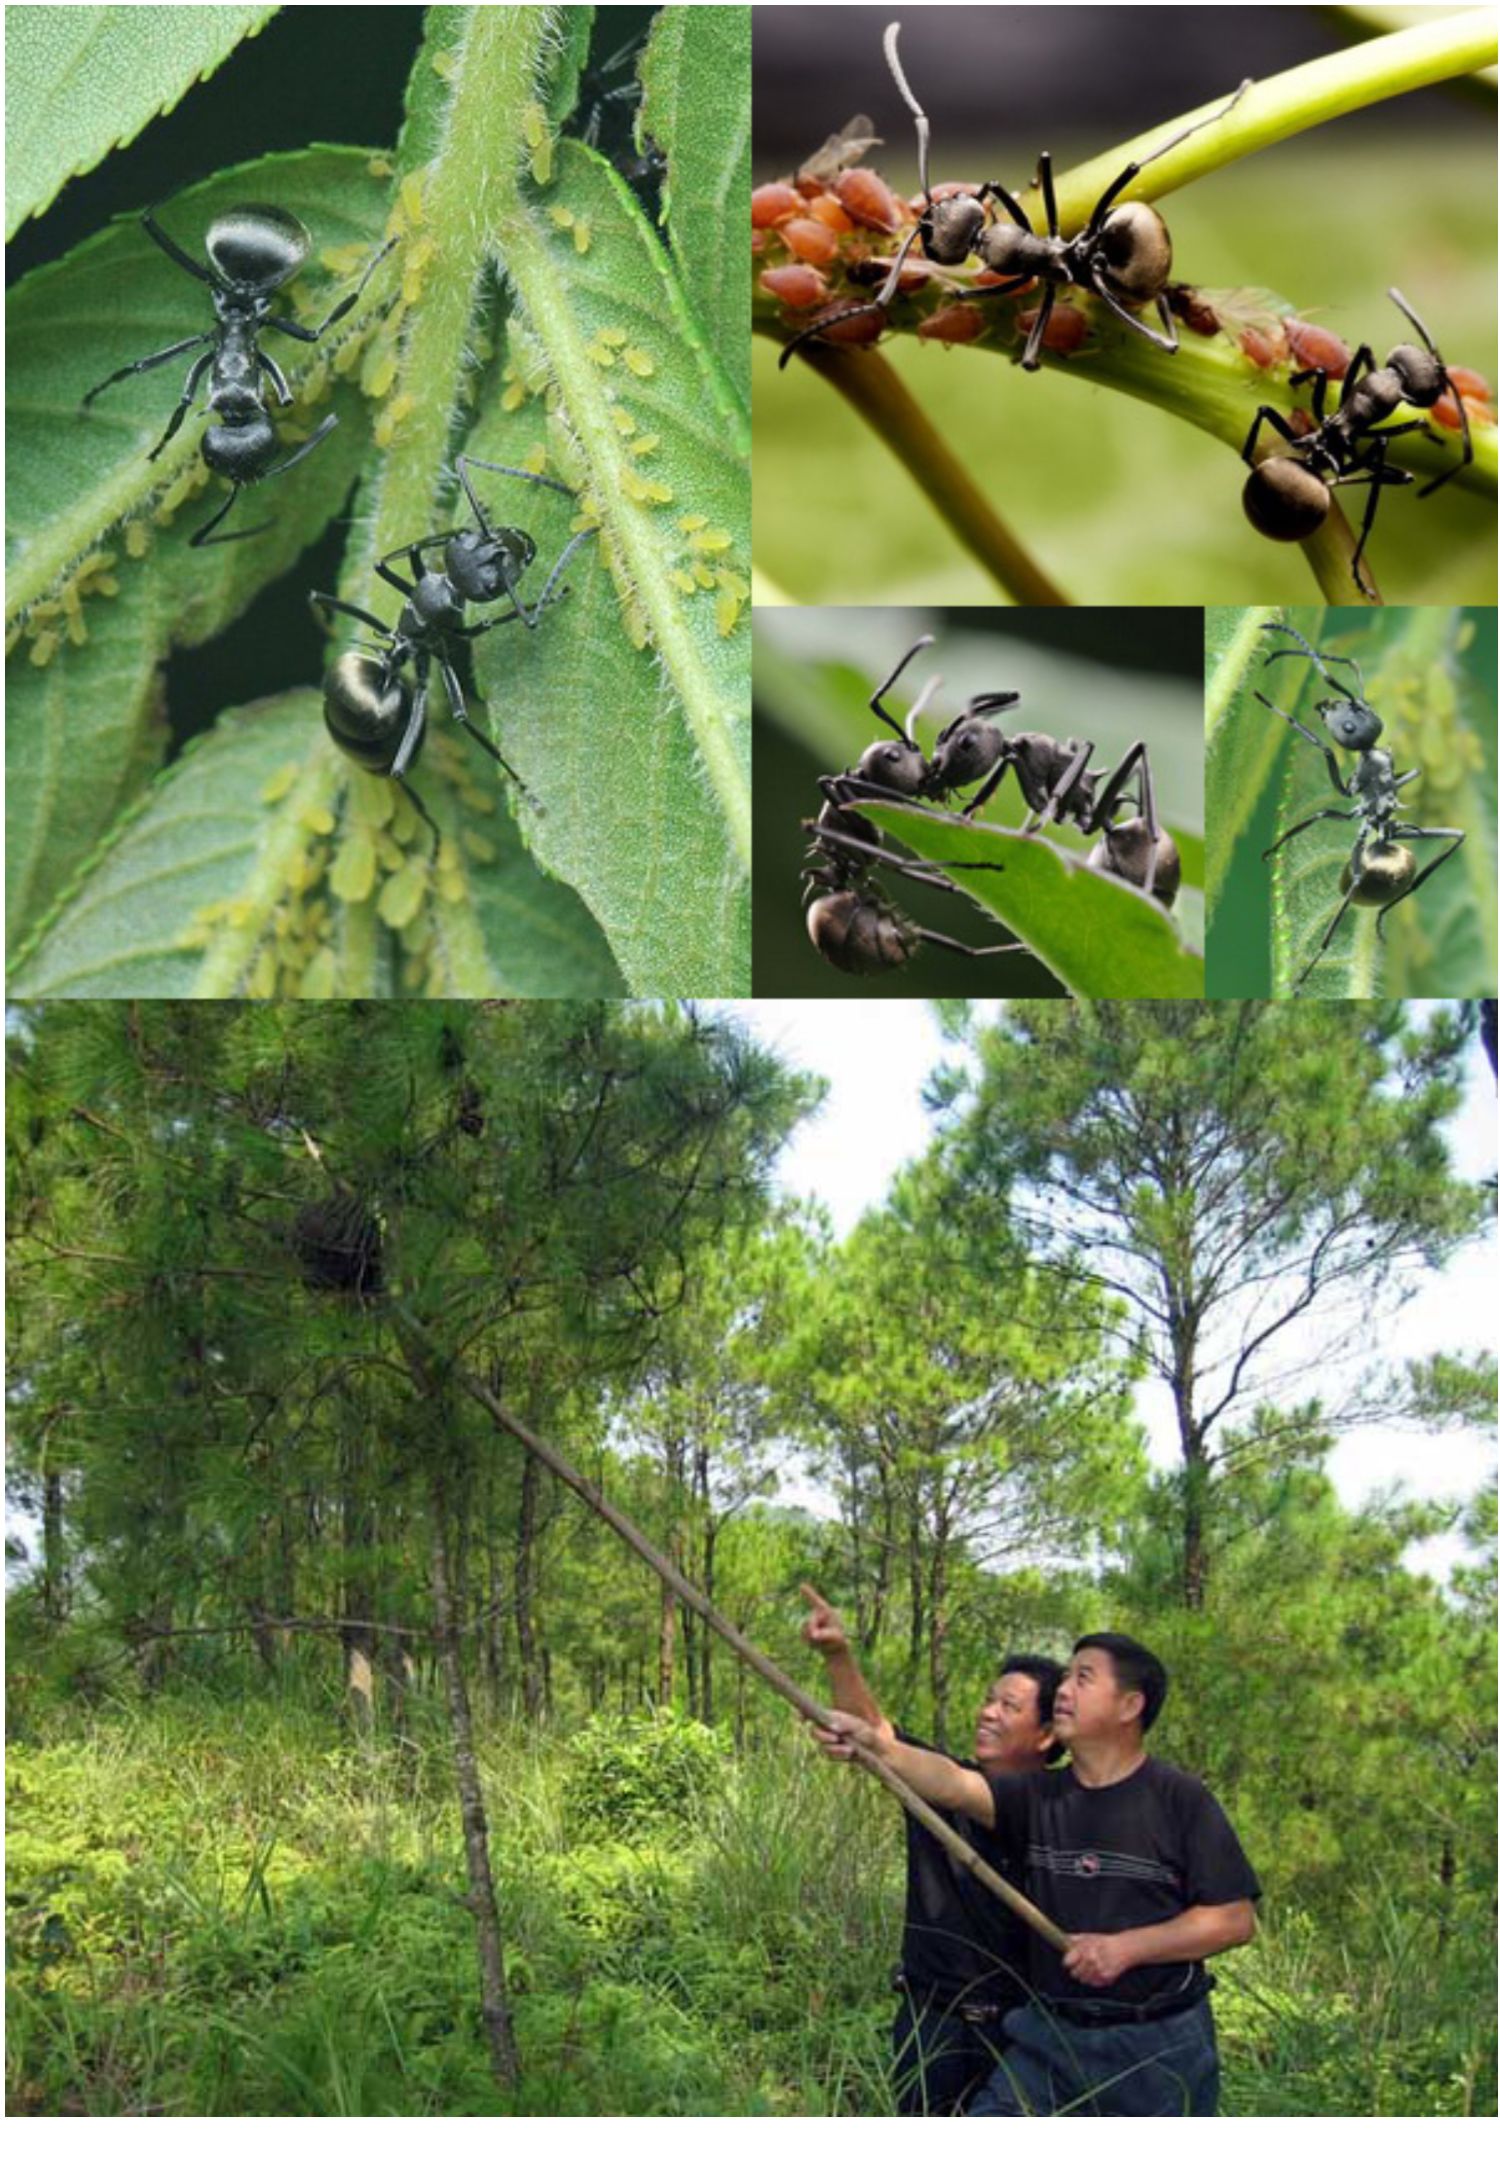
(847, 1687)
(937, 1778)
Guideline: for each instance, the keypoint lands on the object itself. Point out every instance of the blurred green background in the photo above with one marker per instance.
(1117, 500)
(1107, 675)
(1441, 941)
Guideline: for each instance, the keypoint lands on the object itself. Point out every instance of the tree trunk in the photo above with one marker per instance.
(495, 2012)
(532, 1689)
(54, 1563)
(357, 1535)
(706, 1663)
(937, 1639)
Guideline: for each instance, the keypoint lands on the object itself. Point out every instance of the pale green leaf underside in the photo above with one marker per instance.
(79, 81)
(1093, 933)
(1243, 741)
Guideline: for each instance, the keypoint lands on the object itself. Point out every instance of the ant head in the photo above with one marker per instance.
(257, 246)
(1422, 376)
(951, 228)
(894, 763)
(240, 446)
(1137, 251)
(1285, 499)
(485, 567)
(966, 751)
(1349, 723)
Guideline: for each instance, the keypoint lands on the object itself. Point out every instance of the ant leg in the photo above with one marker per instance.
(1038, 332)
(461, 717)
(437, 835)
(1262, 416)
(151, 361)
(1169, 344)
(310, 334)
(1108, 799)
(993, 949)
(178, 255)
(918, 870)
(413, 555)
(1049, 194)
(1378, 477)
(1324, 813)
(328, 423)
(1344, 790)
(991, 784)
(205, 536)
(411, 737)
(194, 379)
(1407, 828)
(893, 277)
(886, 683)
(466, 460)
(1123, 180)
(1333, 928)
(321, 604)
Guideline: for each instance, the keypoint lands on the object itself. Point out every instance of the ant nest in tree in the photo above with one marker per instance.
(337, 1241)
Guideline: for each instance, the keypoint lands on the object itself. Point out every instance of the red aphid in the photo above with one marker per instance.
(1314, 348)
(1260, 345)
(859, 328)
(955, 324)
(795, 286)
(868, 201)
(811, 240)
(1472, 389)
(773, 203)
(1066, 332)
(828, 211)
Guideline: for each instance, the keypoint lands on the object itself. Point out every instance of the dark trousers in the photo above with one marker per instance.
(939, 2058)
(1154, 2068)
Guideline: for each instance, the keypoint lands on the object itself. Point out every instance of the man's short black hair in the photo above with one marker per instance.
(1135, 1667)
(1046, 1672)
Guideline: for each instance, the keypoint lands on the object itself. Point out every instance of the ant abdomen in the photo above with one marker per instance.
(859, 934)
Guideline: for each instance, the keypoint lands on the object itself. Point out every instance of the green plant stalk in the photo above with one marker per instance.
(1270, 112)
(878, 396)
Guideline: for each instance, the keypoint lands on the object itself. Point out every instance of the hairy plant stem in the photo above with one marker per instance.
(878, 396)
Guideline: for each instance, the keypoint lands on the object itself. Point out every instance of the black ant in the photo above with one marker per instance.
(372, 713)
(1053, 774)
(1288, 496)
(255, 250)
(1122, 254)
(850, 920)
(1381, 871)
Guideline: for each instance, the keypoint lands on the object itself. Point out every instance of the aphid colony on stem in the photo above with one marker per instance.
(849, 918)
(253, 250)
(374, 713)
(1381, 870)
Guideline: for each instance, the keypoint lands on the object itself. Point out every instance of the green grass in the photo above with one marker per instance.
(232, 1909)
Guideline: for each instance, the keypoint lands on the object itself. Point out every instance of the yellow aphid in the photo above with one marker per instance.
(137, 538)
(320, 976)
(713, 538)
(347, 257)
(637, 631)
(44, 648)
(379, 372)
(411, 196)
(560, 215)
(726, 615)
(624, 422)
(413, 973)
(445, 66)
(582, 236)
(15, 634)
(392, 417)
(371, 798)
(452, 888)
(613, 336)
(512, 397)
(602, 356)
(704, 577)
(692, 521)
(731, 584)
(379, 168)
(352, 878)
(261, 984)
(401, 898)
(643, 445)
(639, 362)
(686, 582)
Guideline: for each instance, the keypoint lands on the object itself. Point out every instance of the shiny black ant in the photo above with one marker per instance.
(1381, 871)
(373, 714)
(1054, 777)
(254, 250)
(1288, 496)
(1122, 254)
(850, 920)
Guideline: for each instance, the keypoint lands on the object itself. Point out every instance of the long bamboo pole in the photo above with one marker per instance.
(707, 1611)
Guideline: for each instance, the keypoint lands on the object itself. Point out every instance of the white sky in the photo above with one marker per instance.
(876, 1057)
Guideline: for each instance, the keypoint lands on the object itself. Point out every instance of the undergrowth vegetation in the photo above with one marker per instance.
(232, 1908)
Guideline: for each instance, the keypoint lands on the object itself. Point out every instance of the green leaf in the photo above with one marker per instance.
(209, 886)
(80, 80)
(697, 109)
(1097, 935)
(1241, 747)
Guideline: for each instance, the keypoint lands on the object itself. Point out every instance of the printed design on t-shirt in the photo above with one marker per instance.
(1092, 1862)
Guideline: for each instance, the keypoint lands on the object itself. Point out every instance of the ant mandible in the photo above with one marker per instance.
(1381, 870)
(254, 250)
(1122, 254)
(1288, 496)
(372, 713)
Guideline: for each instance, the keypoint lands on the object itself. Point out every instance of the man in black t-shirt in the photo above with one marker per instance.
(963, 1953)
(1139, 1865)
